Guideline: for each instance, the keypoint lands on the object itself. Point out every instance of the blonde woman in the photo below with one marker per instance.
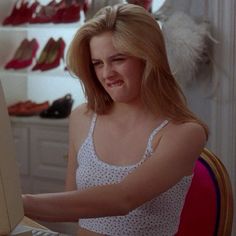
(134, 143)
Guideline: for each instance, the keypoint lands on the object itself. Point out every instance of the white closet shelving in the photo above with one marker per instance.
(36, 85)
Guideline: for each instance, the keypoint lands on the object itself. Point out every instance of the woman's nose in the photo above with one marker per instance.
(107, 71)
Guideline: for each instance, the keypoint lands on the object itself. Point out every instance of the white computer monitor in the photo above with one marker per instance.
(11, 207)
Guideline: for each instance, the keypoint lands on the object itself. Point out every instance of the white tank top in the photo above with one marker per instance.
(158, 217)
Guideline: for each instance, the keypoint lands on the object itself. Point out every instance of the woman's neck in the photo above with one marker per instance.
(131, 113)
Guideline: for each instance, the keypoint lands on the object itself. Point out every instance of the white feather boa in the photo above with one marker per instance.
(186, 42)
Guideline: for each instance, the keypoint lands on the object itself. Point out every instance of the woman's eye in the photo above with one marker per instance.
(119, 59)
(96, 64)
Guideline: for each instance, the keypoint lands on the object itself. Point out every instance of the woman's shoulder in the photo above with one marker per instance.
(189, 127)
(81, 114)
(186, 131)
(80, 119)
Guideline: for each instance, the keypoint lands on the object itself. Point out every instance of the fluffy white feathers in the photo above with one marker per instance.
(186, 45)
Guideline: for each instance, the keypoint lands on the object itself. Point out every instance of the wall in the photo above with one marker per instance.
(213, 96)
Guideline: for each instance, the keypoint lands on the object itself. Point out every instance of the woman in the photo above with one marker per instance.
(134, 143)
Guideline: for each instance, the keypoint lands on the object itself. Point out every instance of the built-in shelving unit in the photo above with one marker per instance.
(36, 85)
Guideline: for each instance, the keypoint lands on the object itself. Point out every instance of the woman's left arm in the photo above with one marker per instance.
(174, 158)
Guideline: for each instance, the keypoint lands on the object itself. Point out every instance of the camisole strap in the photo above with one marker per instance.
(92, 125)
(154, 132)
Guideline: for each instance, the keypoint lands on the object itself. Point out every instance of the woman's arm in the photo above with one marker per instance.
(70, 183)
(78, 129)
(174, 158)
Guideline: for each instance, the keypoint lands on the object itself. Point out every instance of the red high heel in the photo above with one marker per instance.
(44, 14)
(26, 58)
(43, 56)
(28, 55)
(18, 54)
(54, 56)
(25, 14)
(67, 12)
(17, 10)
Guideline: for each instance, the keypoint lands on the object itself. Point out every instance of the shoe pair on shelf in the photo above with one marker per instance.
(21, 13)
(60, 108)
(49, 58)
(64, 11)
(51, 55)
(24, 55)
(27, 108)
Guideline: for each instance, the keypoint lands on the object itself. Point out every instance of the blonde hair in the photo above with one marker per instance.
(135, 32)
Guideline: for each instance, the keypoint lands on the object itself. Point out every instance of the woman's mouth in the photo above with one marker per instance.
(115, 83)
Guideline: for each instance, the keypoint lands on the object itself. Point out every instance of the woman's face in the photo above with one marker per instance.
(119, 74)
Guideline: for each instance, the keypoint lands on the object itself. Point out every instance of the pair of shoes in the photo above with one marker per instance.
(60, 108)
(67, 11)
(21, 13)
(43, 13)
(24, 55)
(51, 55)
(27, 108)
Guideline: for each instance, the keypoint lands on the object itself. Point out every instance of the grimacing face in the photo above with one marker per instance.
(119, 74)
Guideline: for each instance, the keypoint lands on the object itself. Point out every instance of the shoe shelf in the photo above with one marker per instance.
(51, 77)
(58, 72)
(33, 27)
(39, 120)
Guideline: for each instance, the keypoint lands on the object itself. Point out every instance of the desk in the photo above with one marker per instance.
(28, 222)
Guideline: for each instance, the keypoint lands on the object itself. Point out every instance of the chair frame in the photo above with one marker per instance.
(225, 192)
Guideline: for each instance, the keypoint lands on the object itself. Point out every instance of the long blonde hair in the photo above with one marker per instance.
(136, 33)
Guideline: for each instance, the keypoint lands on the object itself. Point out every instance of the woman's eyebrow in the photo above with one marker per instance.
(109, 58)
(116, 55)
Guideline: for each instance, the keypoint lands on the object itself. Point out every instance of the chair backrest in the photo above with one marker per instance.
(208, 208)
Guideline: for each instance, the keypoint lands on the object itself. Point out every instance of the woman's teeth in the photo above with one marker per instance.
(115, 83)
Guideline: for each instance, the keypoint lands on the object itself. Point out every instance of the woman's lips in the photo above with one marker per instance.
(115, 83)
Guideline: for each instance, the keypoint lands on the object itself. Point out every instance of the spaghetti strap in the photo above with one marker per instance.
(154, 132)
(92, 125)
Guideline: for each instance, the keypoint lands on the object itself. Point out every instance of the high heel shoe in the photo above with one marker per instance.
(44, 13)
(25, 14)
(18, 54)
(67, 12)
(60, 108)
(55, 54)
(44, 54)
(28, 55)
(17, 9)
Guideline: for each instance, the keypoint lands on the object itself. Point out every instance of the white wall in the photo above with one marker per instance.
(219, 110)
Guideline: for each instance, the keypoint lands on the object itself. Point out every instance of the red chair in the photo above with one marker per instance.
(208, 208)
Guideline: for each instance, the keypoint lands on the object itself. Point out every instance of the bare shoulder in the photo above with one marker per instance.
(183, 141)
(79, 123)
(188, 130)
(80, 115)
